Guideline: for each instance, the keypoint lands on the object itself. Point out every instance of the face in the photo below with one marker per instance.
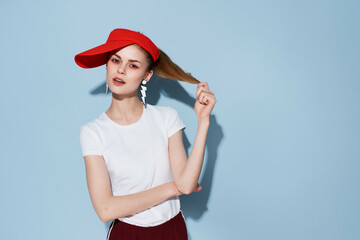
(129, 64)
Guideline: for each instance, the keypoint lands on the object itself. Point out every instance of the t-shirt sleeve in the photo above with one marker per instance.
(89, 141)
(174, 122)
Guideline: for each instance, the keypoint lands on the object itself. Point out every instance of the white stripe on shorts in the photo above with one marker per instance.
(108, 235)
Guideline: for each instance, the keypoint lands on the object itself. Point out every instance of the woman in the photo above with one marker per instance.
(135, 160)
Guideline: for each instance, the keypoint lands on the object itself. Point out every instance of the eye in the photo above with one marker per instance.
(115, 60)
(133, 66)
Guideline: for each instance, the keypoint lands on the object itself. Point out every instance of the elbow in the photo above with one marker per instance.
(184, 189)
(187, 191)
(108, 213)
(104, 217)
(104, 213)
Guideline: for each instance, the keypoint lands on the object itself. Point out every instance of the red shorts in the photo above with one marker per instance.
(174, 229)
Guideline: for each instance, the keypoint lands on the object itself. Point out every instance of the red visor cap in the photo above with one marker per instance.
(118, 38)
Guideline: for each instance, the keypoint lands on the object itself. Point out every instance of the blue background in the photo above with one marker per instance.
(283, 150)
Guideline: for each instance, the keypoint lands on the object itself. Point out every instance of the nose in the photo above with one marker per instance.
(121, 68)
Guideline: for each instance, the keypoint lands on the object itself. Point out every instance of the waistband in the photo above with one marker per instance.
(163, 226)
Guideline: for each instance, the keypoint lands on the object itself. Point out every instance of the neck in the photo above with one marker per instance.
(126, 110)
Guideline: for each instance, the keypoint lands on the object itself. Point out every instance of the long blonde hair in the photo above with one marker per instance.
(166, 68)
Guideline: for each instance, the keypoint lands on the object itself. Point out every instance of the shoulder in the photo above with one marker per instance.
(163, 110)
(88, 126)
(93, 125)
(169, 116)
(164, 113)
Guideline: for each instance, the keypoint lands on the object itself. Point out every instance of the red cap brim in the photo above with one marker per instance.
(97, 56)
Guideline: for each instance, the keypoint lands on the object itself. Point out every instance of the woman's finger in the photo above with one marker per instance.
(204, 84)
(202, 98)
(198, 188)
(202, 89)
(205, 97)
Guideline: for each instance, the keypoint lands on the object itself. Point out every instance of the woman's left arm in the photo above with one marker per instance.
(186, 171)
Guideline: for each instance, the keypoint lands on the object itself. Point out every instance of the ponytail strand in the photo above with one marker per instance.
(166, 68)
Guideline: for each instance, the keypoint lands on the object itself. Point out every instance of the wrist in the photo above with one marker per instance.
(173, 191)
(204, 122)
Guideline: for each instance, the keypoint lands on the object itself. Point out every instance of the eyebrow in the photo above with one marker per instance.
(130, 60)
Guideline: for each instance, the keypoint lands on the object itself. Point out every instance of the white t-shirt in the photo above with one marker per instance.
(136, 156)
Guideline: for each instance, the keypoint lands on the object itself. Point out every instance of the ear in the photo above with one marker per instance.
(149, 75)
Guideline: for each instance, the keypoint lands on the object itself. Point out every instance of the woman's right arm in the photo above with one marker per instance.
(109, 207)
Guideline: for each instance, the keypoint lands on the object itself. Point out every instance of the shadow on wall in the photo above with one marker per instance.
(194, 205)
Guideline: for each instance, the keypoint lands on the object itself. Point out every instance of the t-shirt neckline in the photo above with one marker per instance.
(129, 125)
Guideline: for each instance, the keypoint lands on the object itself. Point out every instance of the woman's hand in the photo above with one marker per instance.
(205, 101)
(198, 188)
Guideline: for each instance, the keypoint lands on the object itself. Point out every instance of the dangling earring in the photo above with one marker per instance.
(143, 91)
(107, 86)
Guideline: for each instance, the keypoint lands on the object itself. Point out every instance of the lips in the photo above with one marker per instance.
(118, 80)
